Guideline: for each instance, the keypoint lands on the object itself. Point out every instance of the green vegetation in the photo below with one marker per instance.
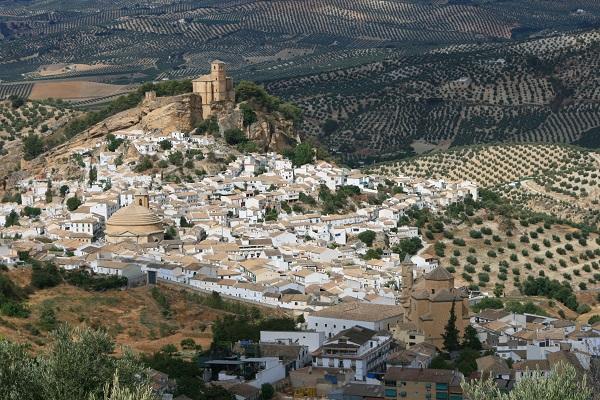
(186, 374)
(257, 96)
(337, 202)
(367, 237)
(33, 146)
(78, 365)
(73, 203)
(562, 383)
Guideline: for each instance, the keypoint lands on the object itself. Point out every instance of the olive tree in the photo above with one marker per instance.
(563, 383)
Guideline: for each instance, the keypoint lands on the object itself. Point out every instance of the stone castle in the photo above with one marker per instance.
(214, 87)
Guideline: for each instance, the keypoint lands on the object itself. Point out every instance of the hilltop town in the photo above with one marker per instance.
(212, 195)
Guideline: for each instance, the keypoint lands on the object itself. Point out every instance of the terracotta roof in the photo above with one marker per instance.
(439, 274)
(357, 311)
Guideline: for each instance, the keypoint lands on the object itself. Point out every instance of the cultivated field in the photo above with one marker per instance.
(537, 90)
(382, 74)
(492, 250)
(556, 179)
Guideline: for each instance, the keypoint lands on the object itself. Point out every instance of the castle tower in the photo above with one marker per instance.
(214, 87)
(141, 198)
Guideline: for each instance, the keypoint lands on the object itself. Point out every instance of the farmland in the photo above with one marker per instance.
(550, 178)
(384, 75)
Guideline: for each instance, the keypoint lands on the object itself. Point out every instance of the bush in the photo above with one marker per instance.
(472, 259)
(475, 234)
(583, 309)
(486, 303)
(367, 237)
(234, 136)
(45, 276)
(33, 146)
(470, 269)
(14, 309)
(458, 242)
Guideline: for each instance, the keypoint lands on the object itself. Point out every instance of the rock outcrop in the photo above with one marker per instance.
(182, 113)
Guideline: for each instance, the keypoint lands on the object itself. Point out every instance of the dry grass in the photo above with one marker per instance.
(132, 316)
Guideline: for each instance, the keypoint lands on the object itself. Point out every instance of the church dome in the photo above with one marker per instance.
(134, 221)
(133, 215)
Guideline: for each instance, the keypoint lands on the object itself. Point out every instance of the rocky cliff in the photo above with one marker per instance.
(271, 131)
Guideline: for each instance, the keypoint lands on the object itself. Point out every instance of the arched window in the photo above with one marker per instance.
(140, 201)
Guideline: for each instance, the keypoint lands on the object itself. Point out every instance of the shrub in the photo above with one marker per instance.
(475, 234)
(234, 136)
(73, 203)
(583, 309)
(458, 242)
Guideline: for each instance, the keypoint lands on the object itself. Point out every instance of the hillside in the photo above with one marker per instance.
(133, 317)
(555, 179)
(261, 127)
(129, 40)
(490, 249)
(17, 121)
(535, 90)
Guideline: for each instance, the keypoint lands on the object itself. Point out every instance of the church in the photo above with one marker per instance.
(135, 223)
(428, 300)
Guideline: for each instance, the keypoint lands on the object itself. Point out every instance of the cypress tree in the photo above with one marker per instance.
(451, 334)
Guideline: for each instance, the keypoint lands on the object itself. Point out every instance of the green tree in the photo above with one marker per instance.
(451, 333)
(234, 136)
(267, 391)
(176, 158)
(470, 339)
(64, 189)
(33, 146)
(77, 365)
(49, 196)
(303, 154)
(367, 237)
(93, 175)
(117, 391)
(563, 383)
(166, 144)
(73, 203)
(248, 114)
(12, 219)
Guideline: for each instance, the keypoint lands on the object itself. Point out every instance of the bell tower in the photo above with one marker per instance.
(407, 285)
(141, 198)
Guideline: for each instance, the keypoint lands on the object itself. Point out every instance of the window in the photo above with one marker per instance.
(390, 393)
